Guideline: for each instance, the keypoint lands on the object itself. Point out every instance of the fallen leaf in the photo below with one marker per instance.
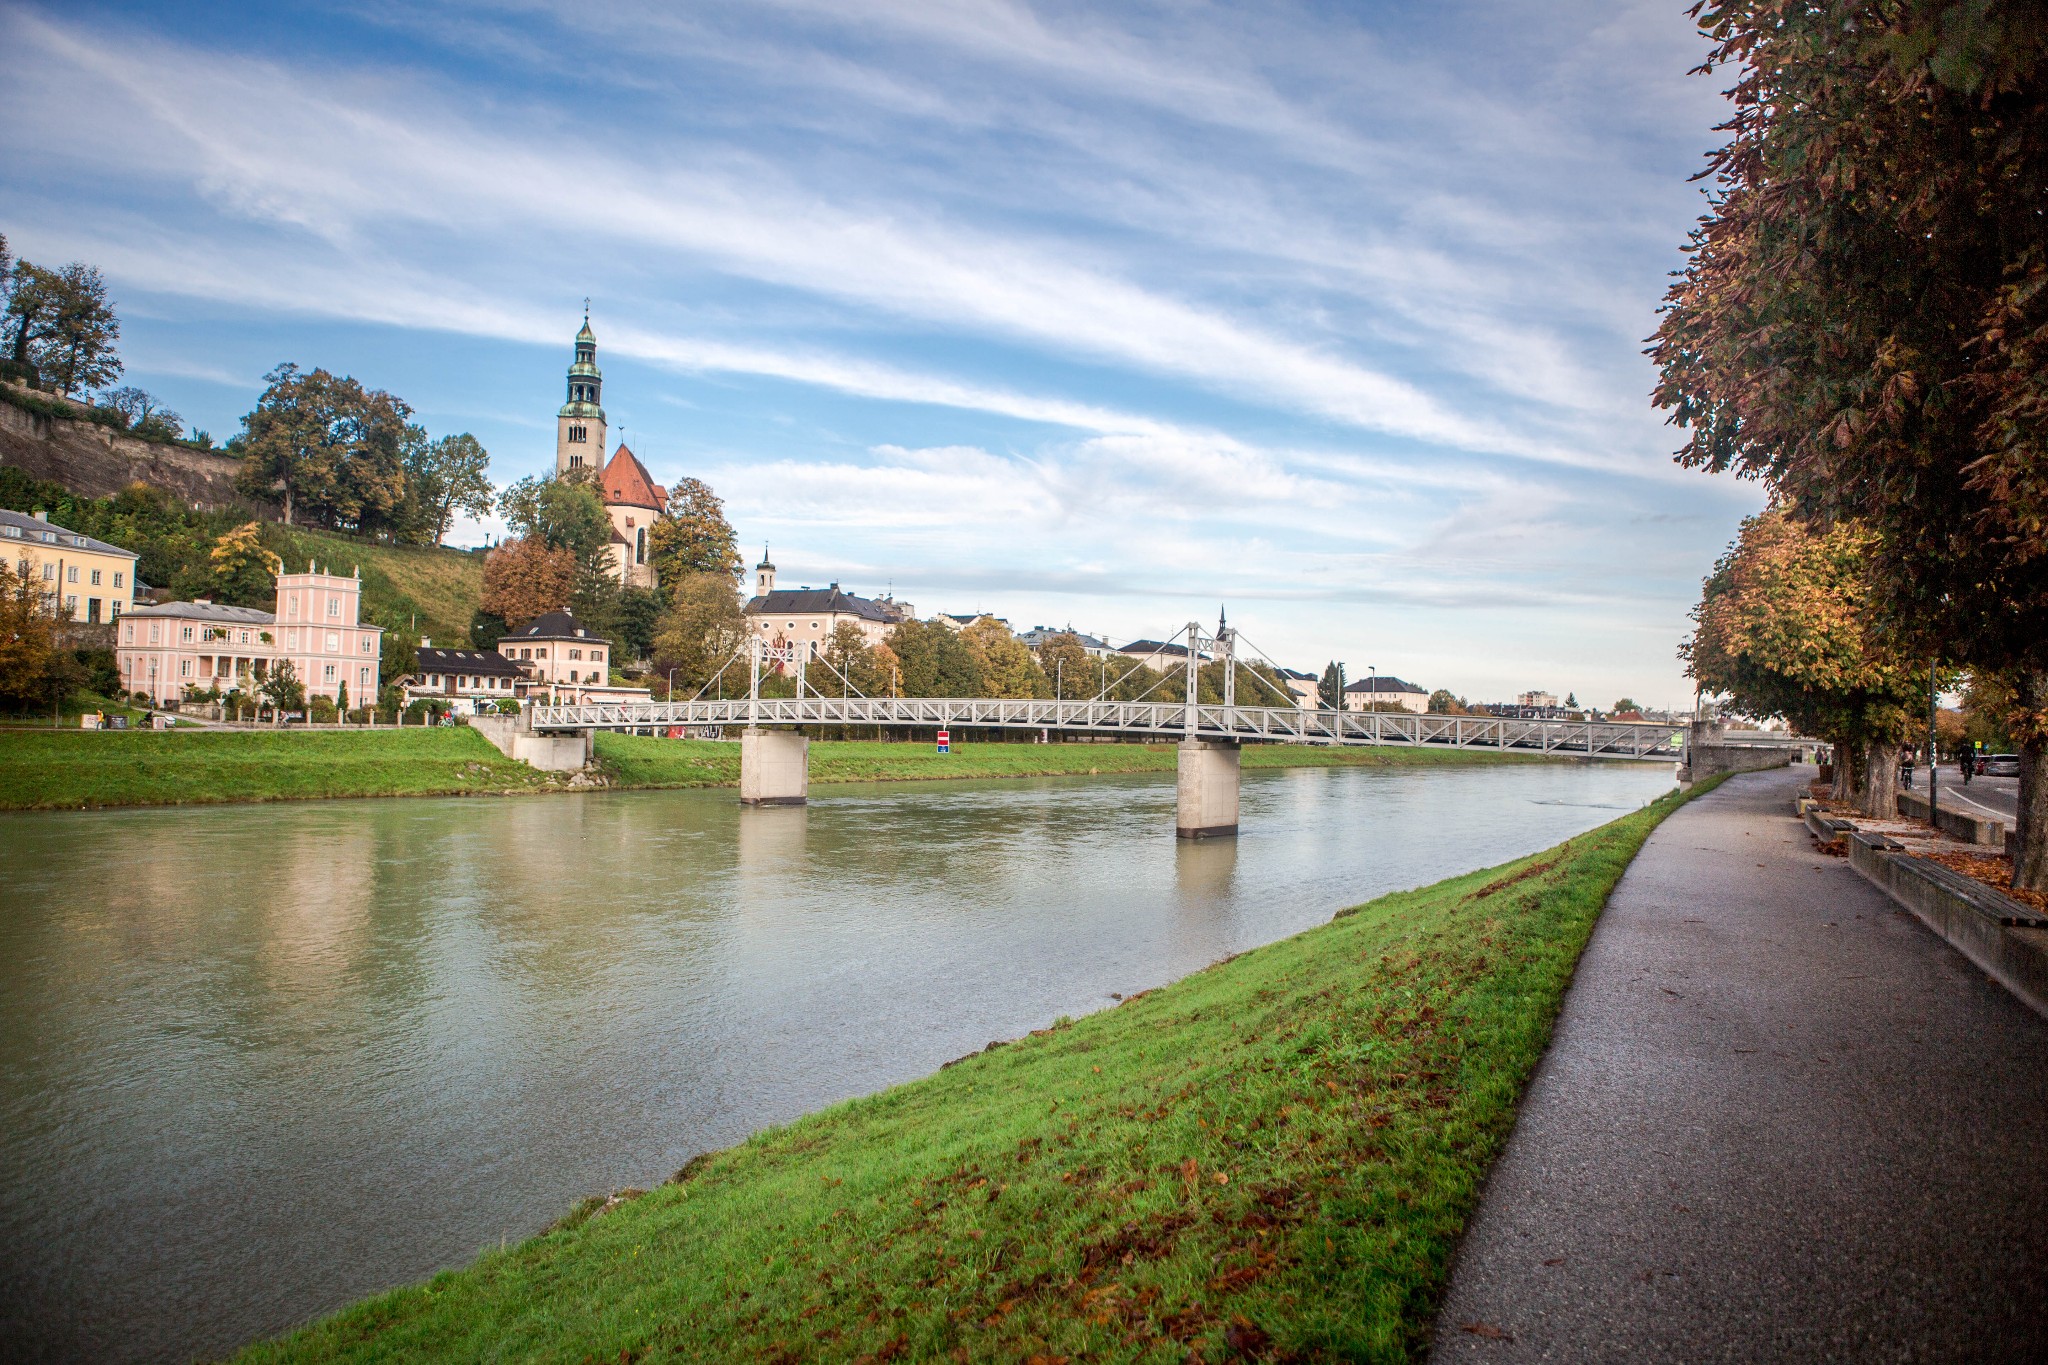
(1488, 1331)
(1555, 1260)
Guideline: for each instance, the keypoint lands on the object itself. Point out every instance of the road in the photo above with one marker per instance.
(1779, 1120)
(1994, 796)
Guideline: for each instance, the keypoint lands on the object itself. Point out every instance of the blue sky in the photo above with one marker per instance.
(1081, 314)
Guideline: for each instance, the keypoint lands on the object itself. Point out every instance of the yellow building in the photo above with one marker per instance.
(82, 579)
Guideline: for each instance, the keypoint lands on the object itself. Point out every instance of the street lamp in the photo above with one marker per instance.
(672, 683)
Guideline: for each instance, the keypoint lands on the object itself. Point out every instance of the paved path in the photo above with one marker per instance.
(1780, 1120)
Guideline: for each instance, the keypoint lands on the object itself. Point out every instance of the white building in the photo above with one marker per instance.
(1377, 693)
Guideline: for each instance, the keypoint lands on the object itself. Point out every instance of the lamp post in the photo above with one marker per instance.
(1933, 714)
(672, 684)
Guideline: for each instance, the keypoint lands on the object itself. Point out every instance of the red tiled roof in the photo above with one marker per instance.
(628, 484)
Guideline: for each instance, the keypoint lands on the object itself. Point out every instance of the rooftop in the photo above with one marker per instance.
(555, 625)
(21, 526)
(207, 611)
(628, 484)
(468, 661)
(796, 601)
(1385, 682)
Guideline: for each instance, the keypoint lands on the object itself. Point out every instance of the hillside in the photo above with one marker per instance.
(415, 590)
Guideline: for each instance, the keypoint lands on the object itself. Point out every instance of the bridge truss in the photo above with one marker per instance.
(1140, 720)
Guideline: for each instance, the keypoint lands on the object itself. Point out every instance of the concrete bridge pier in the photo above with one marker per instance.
(1206, 799)
(775, 767)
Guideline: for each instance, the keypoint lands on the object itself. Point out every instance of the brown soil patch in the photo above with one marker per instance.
(1995, 871)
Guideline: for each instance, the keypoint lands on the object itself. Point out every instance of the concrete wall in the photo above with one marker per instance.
(513, 737)
(1206, 789)
(775, 767)
(96, 461)
(2000, 935)
(1706, 755)
(1971, 829)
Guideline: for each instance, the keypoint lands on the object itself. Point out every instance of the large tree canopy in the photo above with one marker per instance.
(327, 446)
(1863, 319)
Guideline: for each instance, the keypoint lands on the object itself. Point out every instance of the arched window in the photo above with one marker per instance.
(640, 546)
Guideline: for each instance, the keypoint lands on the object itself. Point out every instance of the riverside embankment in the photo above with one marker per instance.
(282, 1056)
(45, 770)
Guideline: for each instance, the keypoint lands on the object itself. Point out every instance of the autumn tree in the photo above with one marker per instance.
(525, 578)
(934, 661)
(1065, 662)
(242, 571)
(693, 536)
(1784, 629)
(32, 674)
(853, 665)
(702, 629)
(1005, 666)
(1443, 702)
(64, 325)
(1863, 318)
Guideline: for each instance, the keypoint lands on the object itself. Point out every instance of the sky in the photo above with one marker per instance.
(1110, 316)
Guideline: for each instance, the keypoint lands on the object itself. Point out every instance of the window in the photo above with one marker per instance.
(333, 641)
(153, 629)
(95, 578)
(14, 531)
(369, 644)
(641, 549)
(363, 681)
(185, 633)
(113, 608)
(184, 668)
(575, 653)
(21, 567)
(598, 655)
(334, 606)
(526, 654)
(128, 633)
(291, 605)
(579, 434)
(117, 579)
(49, 573)
(327, 675)
(71, 574)
(92, 610)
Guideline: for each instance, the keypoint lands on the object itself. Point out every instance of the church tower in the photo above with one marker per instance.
(579, 426)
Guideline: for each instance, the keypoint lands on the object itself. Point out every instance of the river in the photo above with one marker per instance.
(259, 1061)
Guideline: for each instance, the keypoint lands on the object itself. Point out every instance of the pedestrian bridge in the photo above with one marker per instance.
(775, 756)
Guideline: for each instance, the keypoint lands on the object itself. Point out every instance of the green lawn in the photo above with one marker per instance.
(420, 589)
(1270, 1159)
(64, 770)
(640, 761)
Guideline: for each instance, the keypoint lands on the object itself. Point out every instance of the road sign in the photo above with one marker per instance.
(945, 741)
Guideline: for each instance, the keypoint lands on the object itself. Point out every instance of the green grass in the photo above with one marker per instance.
(641, 761)
(1270, 1159)
(439, 587)
(45, 770)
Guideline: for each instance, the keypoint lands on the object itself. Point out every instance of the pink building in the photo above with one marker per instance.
(317, 627)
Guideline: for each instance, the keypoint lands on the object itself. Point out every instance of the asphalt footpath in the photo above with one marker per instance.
(1779, 1120)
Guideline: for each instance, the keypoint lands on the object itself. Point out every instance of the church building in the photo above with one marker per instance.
(632, 498)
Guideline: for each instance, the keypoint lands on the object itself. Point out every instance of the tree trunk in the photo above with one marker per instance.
(1880, 796)
(2029, 841)
(1844, 788)
(287, 502)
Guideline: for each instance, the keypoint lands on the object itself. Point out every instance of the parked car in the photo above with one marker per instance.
(1999, 765)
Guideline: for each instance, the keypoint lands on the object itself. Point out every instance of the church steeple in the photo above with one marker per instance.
(580, 424)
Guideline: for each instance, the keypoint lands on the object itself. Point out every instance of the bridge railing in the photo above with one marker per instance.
(1152, 719)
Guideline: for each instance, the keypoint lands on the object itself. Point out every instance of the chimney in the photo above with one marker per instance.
(426, 642)
(40, 515)
(202, 601)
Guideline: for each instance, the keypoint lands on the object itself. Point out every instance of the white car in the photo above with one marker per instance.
(1999, 765)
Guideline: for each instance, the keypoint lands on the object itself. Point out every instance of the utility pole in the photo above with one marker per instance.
(1933, 716)
(1194, 652)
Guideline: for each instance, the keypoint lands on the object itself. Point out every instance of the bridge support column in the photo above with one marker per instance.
(775, 767)
(1205, 804)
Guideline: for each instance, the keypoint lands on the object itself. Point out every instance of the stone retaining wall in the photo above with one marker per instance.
(97, 461)
(1971, 829)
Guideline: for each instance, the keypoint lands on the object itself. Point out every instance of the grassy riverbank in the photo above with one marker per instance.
(69, 770)
(72, 770)
(1271, 1159)
(639, 761)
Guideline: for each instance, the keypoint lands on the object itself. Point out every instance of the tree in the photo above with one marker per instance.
(693, 535)
(562, 514)
(243, 571)
(32, 675)
(76, 348)
(527, 578)
(146, 414)
(329, 445)
(283, 690)
(1783, 629)
(445, 477)
(1443, 703)
(701, 630)
(638, 618)
(1065, 661)
(341, 699)
(1625, 704)
(934, 661)
(1005, 666)
(1330, 691)
(1863, 319)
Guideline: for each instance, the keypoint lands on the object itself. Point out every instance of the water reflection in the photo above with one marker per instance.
(256, 1062)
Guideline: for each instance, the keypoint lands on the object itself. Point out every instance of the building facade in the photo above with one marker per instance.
(81, 579)
(164, 651)
(1379, 693)
(802, 619)
(475, 675)
(562, 659)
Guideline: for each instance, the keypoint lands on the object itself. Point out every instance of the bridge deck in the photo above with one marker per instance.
(1161, 720)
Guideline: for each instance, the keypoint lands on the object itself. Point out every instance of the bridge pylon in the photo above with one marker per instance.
(1205, 802)
(775, 767)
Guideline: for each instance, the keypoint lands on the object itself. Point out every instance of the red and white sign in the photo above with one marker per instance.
(945, 741)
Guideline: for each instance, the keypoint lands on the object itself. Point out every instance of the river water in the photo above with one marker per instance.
(259, 1061)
